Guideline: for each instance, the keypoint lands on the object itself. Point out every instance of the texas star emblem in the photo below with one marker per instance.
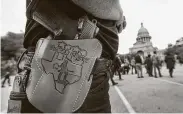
(65, 65)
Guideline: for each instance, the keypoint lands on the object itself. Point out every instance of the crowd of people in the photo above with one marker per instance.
(152, 64)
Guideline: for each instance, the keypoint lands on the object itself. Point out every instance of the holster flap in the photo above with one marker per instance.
(60, 76)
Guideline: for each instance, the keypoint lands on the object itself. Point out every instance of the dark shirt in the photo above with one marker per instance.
(148, 61)
(170, 61)
(117, 62)
(107, 34)
(138, 59)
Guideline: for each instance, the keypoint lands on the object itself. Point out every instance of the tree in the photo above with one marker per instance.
(176, 50)
(179, 52)
(11, 43)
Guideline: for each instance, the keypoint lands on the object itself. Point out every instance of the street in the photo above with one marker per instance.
(134, 95)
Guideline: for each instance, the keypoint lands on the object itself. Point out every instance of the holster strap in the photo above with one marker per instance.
(18, 95)
(28, 58)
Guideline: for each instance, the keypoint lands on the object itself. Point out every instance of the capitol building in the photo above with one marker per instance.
(143, 44)
(179, 42)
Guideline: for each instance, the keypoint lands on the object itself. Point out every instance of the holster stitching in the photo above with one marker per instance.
(34, 58)
(82, 85)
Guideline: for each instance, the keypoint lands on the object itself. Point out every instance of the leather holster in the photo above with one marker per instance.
(60, 71)
(60, 76)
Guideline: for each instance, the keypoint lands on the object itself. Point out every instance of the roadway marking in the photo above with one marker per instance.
(171, 82)
(126, 103)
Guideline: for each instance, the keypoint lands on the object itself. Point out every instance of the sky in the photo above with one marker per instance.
(162, 18)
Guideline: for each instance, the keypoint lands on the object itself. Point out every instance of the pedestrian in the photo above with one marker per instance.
(156, 64)
(122, 68)
(117, 66)
(133, 65)
(149, 65)
(8, 69)
(6, 77)
(138, 63)
(126, 66)
(146, 66)
(170, 63)
(61, 20)
(112, 75)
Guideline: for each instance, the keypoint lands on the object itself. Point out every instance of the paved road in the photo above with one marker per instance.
(150, 95)
(133, 95)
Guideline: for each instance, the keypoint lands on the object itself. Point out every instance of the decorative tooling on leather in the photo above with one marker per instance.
(66, 64)
(14, 106)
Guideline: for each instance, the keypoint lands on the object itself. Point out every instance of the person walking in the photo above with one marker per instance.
(146, 66)
(126, 66)
(6, 77)
(149, 65)
(117, 66)
(156, 64)
(138, 63)
(112, 75)
(133, 65)
(8, 73)
(170, 63)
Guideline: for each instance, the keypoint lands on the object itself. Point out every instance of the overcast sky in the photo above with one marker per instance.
(162, 18)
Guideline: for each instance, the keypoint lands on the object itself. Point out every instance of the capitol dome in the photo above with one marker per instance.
(143, 32)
